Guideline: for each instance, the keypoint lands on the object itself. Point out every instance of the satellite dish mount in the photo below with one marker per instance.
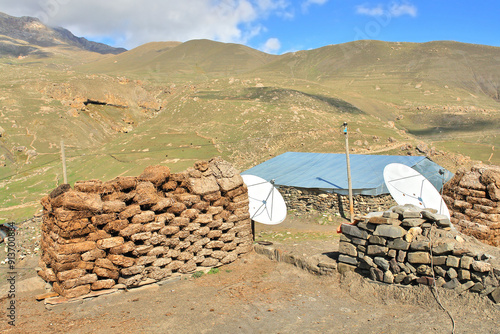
(266, 205)
(407, 186)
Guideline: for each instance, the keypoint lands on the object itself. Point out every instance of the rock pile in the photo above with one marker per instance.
(133, 230)
(408, 245)
(473, 198)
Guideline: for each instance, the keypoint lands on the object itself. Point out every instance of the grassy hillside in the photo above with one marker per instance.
(446, 93)
(175, 103)
(196, 60)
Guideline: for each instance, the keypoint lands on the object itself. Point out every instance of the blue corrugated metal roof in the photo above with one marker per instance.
(328, 171)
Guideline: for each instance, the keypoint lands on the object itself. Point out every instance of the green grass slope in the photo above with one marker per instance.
(443, 92)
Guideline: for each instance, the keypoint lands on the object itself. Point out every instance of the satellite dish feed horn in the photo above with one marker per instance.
(407, 186)
(266, 205)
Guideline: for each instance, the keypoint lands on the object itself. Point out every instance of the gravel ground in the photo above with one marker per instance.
(253, 295)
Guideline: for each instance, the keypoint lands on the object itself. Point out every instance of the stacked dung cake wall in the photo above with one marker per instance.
(135, 229)
(473, 198)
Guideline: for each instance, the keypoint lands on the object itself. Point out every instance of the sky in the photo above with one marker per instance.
(272, 26)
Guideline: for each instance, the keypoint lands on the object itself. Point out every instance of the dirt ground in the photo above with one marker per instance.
(256, 295)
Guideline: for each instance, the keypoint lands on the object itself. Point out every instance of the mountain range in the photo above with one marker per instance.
(25, 35)
(117, 111)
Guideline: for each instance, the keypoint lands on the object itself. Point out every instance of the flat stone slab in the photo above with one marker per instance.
(412, 222)
(354, 231)
(419, 257)
(390, 231)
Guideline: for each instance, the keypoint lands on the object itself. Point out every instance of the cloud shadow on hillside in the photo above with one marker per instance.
(270, 94)
(473, 126)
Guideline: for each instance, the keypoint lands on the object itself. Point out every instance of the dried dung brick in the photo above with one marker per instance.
(157, 175)
(103, 284)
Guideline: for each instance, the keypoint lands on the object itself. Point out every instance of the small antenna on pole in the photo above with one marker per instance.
(351, 206)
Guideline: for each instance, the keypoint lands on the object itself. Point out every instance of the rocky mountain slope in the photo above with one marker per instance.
(20, 36)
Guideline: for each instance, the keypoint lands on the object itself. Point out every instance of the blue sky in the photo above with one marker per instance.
(273, 26)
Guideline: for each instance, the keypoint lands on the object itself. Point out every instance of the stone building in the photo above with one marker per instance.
(318, 181)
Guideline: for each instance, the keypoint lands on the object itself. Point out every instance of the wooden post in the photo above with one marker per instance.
(63, 158)
(351, 206)
(253, 230)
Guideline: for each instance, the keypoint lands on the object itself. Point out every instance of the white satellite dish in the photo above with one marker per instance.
(266, 204)
(407, 186)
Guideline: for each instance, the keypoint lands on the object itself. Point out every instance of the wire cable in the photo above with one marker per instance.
(434, 288)
(28, 169)
(114, 154)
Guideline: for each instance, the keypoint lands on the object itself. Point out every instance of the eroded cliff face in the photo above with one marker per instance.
(100, 90)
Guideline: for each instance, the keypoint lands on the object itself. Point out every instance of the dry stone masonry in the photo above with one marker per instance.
(473, 198)
(409, 245)
(135, 230)
(305, 200)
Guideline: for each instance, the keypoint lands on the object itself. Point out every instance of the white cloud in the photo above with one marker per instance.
(399, 9)
(272, 4)
(307, 3)
(316, 2)
(395, 9)
(373, 11)
(272, 45)
(131, 23)
(280, 8)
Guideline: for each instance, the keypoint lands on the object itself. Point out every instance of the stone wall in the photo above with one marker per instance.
(305, 200)
(132, 230)
(473, 198)
(409, 245)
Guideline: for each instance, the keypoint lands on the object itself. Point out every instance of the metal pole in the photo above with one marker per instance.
(63, 158)
(351, 206)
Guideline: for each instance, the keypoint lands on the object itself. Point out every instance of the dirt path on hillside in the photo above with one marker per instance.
(20, 206)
